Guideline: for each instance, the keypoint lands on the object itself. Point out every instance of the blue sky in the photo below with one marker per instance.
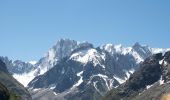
(28, 28)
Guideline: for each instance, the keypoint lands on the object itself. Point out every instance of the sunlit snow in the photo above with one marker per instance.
(33, 62)
(119, 79)
(105, 78)
(24, 78)
(149, 86)
(161, 81)
(85, 56)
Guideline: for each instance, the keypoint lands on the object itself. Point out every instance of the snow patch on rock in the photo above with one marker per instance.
(120, 80)
(80, 80)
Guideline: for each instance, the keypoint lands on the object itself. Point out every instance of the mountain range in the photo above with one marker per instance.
(73, 70)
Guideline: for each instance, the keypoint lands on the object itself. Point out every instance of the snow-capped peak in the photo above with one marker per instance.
(113, 49)
(118, 48)
(139, 52)
(61, 49)
(108, 47)
(85, 56)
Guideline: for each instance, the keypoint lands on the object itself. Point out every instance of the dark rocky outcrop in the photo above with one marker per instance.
(149, 82)
(4, 93)
(3, 67)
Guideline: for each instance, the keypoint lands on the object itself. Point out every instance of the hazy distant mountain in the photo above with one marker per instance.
(17, 66)
(19, 69)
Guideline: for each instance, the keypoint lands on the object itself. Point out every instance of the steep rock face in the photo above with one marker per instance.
(15, 89)
(166, 67)
(143, 51)
(61, 49)
(57, 74)
(151, 81)
(148, 73)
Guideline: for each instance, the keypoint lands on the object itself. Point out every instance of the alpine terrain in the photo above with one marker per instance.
(73, 70)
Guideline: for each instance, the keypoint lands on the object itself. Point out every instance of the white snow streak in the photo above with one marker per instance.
(119, 79)
(161, 81)
(55, 93)
(105, 78)
(80, 80)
